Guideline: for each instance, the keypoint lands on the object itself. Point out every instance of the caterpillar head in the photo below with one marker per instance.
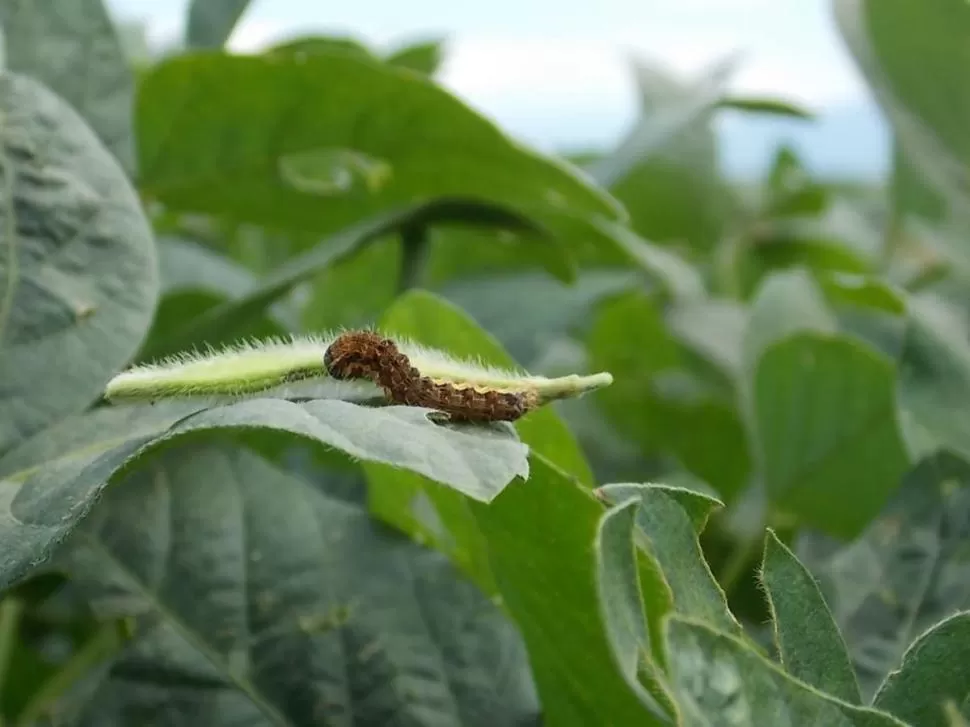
(354, 355)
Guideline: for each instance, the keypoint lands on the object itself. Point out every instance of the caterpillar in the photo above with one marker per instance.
(365, 363)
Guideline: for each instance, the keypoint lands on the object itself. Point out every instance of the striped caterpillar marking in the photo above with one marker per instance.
(367, 355)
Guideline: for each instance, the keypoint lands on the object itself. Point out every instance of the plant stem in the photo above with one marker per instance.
(416, 245)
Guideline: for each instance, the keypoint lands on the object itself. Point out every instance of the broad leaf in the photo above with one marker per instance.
(719, 680)
(669, 521)
(259, 597)
(898, 46)
(905, 573)
(826, 430)
(329, 105)
(806, 635)
(78, 278)
(51, 481)
(71, 46)
(211, 22)
(935, 669)
(540, 538)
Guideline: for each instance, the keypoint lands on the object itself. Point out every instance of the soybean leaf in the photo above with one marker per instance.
(258, 597)
(51, 481)
(78, 278)
(211, 22)
(935, 669)
(331, 139)
(825, 424)
(72, 47)
(668, 532)
(719, 680)
(540, 538)
(806, 635)
(905, 573)
(898, 46)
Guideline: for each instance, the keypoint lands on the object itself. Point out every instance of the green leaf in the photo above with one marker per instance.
(71, 46)
(935, 669)
(619, 587)
(934, 379)
(768, 106)
(668, 533)
(51, 481)
(540, 538)
(230, 320)
(259, 597)
(902, 575)
(806, 635)
(77, 291)
(864, 291)
(825, 425)
(195, 157)
(719, 680)
(211, 22)
(424, 57)
(912, 55)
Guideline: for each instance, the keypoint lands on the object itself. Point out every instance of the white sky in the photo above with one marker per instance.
(536, 66)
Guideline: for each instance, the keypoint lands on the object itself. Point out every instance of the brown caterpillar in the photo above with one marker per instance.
(367, 355)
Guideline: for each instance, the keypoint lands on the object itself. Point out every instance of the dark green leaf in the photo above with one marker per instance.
(935, 669)
(196, 157)
(72, 48)
(806, 635)
(540, 539)
(78, 278)
(51, 481)
(260, 598)
(211, 22)
(719, 680)
(905, 573)
(863, 291)
(825, 421)
(307, 44)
